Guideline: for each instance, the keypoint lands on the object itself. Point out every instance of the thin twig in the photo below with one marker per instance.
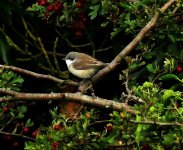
(54, 54)
(157, 123)
(45, 53)
(17, 135)
(14, 45)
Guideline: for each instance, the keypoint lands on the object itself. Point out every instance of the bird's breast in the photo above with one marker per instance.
(84, 74)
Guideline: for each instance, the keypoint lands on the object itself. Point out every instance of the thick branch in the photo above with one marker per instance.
(77, 97)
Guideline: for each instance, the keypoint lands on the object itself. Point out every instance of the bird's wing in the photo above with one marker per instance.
(89, 64)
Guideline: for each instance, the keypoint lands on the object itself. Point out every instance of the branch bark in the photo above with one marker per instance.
(157, 123)
(39, 76)
(74, 97)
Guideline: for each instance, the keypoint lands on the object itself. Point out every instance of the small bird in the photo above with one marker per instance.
(82, 65)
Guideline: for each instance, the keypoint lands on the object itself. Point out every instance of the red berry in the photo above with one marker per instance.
(178, 104)
(10, 105)
(79, 26)
(79, 5)
(83, 17)
(179, 69)
(43, 2)
(6, 109)
(146, 147)
(166, 147)
(58, 6)
(51, 7)
(47, 15)
(56, 127)
(34, 134)
(55, 145)
(25, 130)
(78, 34)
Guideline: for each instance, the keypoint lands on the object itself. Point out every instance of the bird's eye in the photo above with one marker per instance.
(71, 58)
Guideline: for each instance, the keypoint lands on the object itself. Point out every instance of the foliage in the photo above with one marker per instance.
(157, 123)
(41, 33)
(10, 80)
(12, 114)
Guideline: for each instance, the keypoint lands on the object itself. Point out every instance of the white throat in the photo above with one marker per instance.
(69, 62)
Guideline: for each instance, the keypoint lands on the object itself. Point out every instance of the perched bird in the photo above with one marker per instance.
(82, 65)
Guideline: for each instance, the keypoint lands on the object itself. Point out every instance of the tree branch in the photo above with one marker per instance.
(39, 76)
(77, 97)
(17, 135)
(157, 123)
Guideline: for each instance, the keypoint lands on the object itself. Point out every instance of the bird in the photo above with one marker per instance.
(82, 65)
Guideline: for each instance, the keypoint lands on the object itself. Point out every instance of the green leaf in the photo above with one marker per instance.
(170, 93)
(29, 123)
(170, 76)
(73, 5)
(20, 115)
(112, 138)
(95, 146)
(115, 32)
(4, 50)
(151, 68)
(133, 66)
(54, 112)
(22, 109)
(18, 80)
(55, 137)
(12, 114)
(15, 88)
(169, 138)
(15, 130)
(93, 13)
(147, 55)
(104, 24)
(147, 85)
(171, 38)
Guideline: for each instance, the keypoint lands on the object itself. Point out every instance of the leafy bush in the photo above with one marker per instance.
(36, 35)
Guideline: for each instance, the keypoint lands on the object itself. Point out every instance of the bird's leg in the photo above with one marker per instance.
(91, 90)
(86, 85)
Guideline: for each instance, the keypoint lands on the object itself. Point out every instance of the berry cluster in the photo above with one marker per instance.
(80, 20)
(51, 8)
(68, 14)
(79, 25)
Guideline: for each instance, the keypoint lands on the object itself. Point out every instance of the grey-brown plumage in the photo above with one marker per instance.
(83, 65)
